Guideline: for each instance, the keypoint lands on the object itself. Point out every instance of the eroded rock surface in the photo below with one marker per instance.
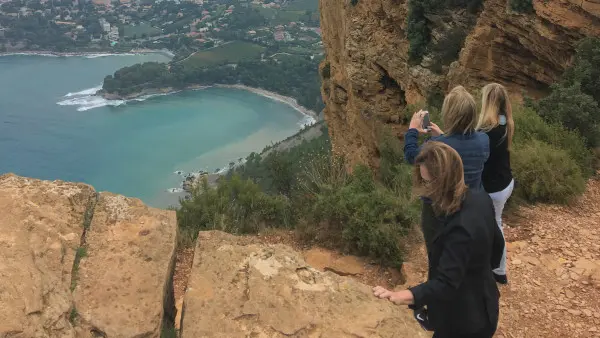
(41, 224)
(368, 79)
(124, 278)
(241, 289)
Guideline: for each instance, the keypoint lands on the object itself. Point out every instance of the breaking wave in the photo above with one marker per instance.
(87, 99)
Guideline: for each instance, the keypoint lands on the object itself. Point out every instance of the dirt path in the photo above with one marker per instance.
(554, 270)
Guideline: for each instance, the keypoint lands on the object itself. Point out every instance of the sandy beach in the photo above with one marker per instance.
(277, 97)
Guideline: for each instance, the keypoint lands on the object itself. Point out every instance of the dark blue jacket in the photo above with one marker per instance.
(473, 148)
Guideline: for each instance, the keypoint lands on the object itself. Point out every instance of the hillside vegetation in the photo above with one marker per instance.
(295, 77)
(368, 213)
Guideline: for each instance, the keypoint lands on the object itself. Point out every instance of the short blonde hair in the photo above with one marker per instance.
(447, 189)
(495, 102)
(459, 112)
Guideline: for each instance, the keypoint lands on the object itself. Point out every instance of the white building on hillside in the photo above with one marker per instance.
(105, 25)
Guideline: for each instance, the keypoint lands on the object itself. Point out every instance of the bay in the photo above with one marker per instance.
(51, 127)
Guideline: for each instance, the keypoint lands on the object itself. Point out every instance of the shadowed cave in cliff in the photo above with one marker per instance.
(390, 84)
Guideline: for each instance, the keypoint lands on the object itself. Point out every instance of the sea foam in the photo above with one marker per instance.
(87, 99)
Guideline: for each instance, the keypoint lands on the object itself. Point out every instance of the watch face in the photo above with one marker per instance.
(502, 120)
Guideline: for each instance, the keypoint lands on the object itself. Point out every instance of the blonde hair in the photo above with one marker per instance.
(447, 187)
(495, 102)
(459, 112)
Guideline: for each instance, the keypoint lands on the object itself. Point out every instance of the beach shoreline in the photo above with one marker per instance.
(90, 54)
(290, 101)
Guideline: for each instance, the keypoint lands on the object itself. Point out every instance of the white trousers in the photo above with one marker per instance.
(499, 198)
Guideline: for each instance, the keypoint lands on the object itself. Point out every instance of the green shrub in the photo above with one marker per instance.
(545, 173)
(326, 71)
(354, 2)
(575, 110)
(235, 205)
(418, 32)
(522, 6)
(360, 216)
(447, 48)
(529, 126)
(585, 68)
(277, 172)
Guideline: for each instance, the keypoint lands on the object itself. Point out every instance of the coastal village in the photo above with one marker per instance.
(182, 27)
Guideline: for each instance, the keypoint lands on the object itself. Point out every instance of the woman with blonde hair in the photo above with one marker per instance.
(459, 115)
(497, 122)
(460, 294)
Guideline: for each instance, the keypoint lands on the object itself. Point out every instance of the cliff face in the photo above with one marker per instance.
(368, 79)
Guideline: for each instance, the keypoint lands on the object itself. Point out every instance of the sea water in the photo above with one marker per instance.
(52, 126)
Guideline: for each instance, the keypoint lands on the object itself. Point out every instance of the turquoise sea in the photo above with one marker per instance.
(52, 127)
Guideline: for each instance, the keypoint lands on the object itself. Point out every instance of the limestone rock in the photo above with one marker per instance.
(41, 223)
(371, 80)
(125, 276)
(240, 289)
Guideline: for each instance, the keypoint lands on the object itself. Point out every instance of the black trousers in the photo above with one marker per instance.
(485, 333)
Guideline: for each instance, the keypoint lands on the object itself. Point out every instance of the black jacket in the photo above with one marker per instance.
(461, 294)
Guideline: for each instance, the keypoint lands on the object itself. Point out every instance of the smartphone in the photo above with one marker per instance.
(426, 122)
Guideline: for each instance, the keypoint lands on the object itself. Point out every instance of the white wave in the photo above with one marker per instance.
(175, 190)
(85, 92)
(307, 121)
(89, 102)
(149, 96)
(232, 165)
(99, 55)
(86, 99)
(30, 54)
(178, 172)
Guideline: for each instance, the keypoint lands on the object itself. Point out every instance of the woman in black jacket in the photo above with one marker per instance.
(460, 294)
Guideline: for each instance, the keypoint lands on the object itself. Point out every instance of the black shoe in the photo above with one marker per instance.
(423, 319)
(501, 279)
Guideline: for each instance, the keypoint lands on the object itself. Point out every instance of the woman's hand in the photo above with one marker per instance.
(416, 122)
(436, 130)
(404, 297)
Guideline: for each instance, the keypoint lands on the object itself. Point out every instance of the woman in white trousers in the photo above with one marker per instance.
(496, 121)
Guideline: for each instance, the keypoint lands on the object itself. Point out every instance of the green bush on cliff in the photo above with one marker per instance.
(585, 68)
(530, 127)
(522, 6)
(236, 206)
(357, 214)
(545, 173)
(307, 188)
(573, 109)
(575, 101)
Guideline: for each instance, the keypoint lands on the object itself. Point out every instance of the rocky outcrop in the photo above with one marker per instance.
(80, 264)
(74, 263)
(239, 288)
(123, 282)
(368, 80)
(41, 224)
(525, 52)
